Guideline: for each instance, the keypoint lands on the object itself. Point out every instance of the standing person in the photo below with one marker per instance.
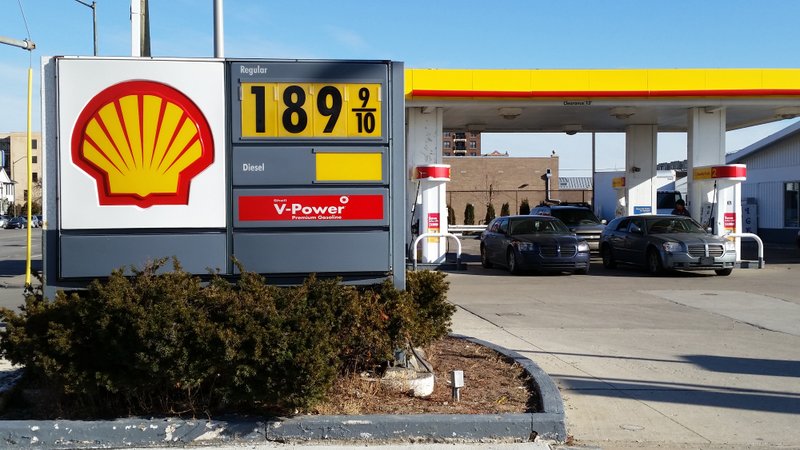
(680, 209)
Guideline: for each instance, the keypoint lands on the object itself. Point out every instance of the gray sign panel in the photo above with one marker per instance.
(97, 255)
(336, 252)
(292, 166)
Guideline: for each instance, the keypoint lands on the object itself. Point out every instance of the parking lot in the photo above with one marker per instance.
(684, 360)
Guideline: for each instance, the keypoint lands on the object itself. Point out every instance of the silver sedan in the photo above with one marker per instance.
(659, 243)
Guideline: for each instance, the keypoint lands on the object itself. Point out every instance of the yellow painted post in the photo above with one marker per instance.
(30, 183)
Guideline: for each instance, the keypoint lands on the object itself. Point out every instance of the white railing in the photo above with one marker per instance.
(758, 241)
(426, 235)
(465, 228)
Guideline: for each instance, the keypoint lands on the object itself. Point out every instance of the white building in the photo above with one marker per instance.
(6, 191)
(773, 183)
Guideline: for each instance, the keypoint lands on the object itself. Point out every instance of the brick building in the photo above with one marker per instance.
(498, 179)
(461, 143)
(13, 147)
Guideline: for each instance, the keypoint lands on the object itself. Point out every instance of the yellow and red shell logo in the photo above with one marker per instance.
(143, 142)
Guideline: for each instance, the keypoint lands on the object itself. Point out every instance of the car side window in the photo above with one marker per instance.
(623, 225)
(495, 226)
(503, 228)
(636, 225)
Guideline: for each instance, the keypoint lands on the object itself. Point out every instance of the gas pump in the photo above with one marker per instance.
(618, 183)
(430, 215)
(717, 191)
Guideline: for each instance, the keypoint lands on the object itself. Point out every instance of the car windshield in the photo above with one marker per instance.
(673, 225)
(524, 225)
(577, 216)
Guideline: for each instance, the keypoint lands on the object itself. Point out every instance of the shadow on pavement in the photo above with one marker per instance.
(684, 393)
(750, 366)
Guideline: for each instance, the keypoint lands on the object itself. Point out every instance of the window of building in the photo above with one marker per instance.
(33, 143)
(35, 177)
(461, 135)
(34, 159)
(791, 205)
(446, 134)
(446, 153)
(447, 144)
(461, 145)
(473, 144)
(473, 154)
(473, 134)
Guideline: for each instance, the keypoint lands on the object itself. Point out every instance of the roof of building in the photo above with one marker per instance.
(575, 183)
(763, 143)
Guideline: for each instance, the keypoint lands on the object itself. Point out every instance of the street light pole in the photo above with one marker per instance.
(26, 45)
(93, 5)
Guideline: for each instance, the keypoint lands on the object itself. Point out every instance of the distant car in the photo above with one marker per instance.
(579, 218)
(660, 243)
(533, 242)
(16, 222)
(798, 239)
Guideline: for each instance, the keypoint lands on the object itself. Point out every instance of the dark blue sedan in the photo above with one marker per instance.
(540, 243)
(16, 222)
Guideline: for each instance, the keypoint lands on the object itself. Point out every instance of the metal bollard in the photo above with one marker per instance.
(457, 381)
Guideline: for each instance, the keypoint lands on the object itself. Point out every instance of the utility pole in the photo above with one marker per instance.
(140, 28)
(219, 38)
(93, 5)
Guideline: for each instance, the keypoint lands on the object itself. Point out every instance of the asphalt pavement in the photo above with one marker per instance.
(12, 264)
(685, 360)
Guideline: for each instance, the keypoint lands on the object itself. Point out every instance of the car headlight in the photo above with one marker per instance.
(730, 246)
(672, 247)
(583, 246)
(525, 246)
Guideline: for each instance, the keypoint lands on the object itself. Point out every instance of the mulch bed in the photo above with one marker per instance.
(493, 384)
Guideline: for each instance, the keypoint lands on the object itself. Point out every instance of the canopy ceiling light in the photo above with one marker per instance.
(572, 129)
(623, 112)
(509, 113)
(477, 127)
(787, 112)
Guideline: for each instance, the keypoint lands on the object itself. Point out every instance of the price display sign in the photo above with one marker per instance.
(311, 110)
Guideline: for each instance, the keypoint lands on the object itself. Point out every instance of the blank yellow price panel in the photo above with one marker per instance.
(311, 110)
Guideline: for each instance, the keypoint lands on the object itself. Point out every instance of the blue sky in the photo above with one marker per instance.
(432, 33)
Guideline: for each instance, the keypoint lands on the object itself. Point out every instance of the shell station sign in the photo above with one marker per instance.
(291, 167)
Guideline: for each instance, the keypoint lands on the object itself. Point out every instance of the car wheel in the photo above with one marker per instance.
(723, 272)
(608, 257)
(485, 258)
(654, 266)
(582, 271)
(513, 264)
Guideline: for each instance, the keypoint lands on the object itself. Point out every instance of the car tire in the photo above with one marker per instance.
(513, 264)
(582, 271)
(654, 265)
(608, 257)
(723, 272)
(485, 259)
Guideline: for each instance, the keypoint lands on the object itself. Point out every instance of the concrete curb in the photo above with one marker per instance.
(548, 424)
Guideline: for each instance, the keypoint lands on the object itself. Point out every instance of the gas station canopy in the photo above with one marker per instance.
(601, 100)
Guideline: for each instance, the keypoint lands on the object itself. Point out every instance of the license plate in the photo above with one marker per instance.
(706, 261)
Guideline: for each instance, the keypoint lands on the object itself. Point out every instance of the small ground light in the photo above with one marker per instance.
(457, 381)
